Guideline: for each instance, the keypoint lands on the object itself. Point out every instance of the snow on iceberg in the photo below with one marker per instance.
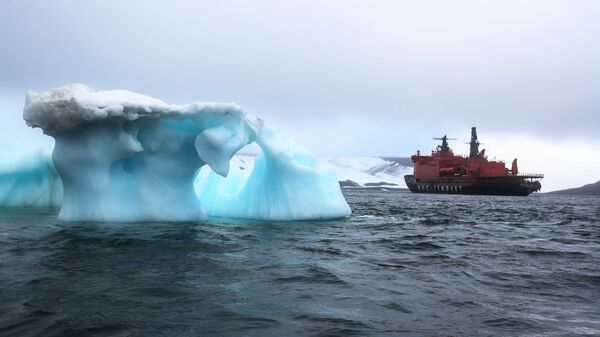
(123, 156)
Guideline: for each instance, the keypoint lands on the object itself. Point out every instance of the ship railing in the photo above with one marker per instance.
(526, 175)
(530, 175)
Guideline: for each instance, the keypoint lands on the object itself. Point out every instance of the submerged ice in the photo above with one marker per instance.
(123, 156)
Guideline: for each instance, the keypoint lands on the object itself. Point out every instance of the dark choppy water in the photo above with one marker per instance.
(403, 265)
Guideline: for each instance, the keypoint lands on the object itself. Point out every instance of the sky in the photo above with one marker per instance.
(343, 78)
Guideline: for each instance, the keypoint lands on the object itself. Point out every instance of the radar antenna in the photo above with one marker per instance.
(444, 147)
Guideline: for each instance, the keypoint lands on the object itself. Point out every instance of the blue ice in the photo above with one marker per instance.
(123, 156)
(28, 179)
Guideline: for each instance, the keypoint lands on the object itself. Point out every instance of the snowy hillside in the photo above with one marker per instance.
(370, 171)
(353, 172)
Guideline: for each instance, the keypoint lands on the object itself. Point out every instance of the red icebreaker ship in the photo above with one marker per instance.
(445, 172)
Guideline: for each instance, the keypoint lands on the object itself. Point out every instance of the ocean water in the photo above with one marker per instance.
(402, 265)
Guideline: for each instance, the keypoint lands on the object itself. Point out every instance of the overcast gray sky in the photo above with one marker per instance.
(343, 77)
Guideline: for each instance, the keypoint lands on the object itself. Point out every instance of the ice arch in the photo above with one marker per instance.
(123, 156)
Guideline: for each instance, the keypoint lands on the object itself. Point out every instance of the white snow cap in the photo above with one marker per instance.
(62, 109)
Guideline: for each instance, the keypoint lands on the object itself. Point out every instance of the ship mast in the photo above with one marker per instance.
(444, 147)
(474, 143)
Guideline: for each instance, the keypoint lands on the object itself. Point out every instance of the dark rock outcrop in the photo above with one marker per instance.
(589, 189)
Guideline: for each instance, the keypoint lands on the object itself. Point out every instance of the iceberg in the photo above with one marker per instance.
(28, 179)
(285, 183)
(123, 156)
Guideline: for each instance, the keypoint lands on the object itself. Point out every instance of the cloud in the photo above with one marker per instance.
(367, 77)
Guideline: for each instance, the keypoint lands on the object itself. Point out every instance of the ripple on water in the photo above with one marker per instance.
(404, 264)
(314, 275)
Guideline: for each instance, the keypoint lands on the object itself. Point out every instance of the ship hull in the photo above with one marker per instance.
(499, 185)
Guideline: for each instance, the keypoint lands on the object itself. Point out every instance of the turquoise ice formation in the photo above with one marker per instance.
(123, 156)
(28, 179)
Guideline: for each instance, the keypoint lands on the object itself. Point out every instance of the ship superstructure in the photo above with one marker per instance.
(445, 172)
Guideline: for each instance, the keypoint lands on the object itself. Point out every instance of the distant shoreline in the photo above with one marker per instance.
(585, 190)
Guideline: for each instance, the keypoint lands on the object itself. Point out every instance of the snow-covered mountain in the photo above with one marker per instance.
(382, 172)
(355, 172)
